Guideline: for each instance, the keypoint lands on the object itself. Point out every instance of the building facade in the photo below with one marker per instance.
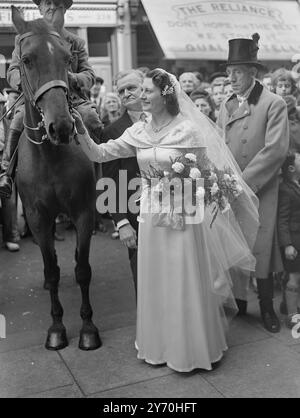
(106, 27)
(191, 35)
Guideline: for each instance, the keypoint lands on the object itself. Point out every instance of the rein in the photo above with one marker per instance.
(12, 107)
(34, 97)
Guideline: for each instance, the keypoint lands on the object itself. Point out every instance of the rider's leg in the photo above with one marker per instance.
(11, 144)
(91, 120)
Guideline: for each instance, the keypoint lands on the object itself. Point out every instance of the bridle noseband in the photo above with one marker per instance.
(34, 97)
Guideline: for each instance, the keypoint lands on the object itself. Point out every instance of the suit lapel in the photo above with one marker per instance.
(127, 119)
(120, 126)
(232, 105)
(236, 112)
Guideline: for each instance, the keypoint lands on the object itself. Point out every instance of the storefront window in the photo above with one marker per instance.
(7, 43)
(99, 42)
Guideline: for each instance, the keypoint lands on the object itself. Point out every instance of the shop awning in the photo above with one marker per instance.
(82, 13)
(200, 30)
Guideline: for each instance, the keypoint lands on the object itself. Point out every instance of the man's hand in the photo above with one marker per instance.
(291, 253)
(78, 122)
(72, 80)
(128, 236)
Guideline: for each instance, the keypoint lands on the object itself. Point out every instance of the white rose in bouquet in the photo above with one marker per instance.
(178, 167)
(192, 157)
(195, 173)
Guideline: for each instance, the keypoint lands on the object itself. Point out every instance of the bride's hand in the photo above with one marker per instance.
(78, 122)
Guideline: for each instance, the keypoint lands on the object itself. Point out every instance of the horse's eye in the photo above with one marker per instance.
(26, 60)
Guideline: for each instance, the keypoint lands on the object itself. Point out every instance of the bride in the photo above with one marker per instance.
(184, 276)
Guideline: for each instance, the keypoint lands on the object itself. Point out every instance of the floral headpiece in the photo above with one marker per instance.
(168, 90)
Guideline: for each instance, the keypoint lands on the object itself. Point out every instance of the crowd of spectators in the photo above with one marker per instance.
(207, 94)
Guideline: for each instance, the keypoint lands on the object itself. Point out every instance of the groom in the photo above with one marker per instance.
(129, 88)
(255, 124)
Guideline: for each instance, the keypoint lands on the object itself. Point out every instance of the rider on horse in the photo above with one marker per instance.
(81, 78)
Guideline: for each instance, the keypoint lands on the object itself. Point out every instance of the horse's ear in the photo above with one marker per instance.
(18, 21)
(58, 19)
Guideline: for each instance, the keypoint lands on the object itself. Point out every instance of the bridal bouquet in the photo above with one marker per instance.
(192, 184)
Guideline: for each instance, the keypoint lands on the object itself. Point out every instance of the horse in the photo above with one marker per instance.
(53, 174)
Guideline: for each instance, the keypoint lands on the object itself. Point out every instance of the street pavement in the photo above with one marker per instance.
(258, 364)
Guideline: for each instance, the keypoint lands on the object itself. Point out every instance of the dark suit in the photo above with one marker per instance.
(289, 215)
(111, 170)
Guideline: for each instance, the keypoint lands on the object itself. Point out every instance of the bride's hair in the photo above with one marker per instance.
(162, 80)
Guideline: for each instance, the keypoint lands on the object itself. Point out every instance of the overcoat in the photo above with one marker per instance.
(289, 215)
(257, 133)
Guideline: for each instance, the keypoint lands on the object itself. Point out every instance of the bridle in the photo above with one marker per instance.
(33, 97)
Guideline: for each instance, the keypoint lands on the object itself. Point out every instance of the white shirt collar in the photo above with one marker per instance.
(244, 97)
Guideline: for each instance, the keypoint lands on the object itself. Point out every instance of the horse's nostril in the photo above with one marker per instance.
(51, 129)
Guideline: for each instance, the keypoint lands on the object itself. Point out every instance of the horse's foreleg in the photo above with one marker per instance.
(42, 231)
(89, 335)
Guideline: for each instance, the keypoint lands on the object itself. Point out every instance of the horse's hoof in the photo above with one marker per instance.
(89, 340)
(46, 285)
(56, 340)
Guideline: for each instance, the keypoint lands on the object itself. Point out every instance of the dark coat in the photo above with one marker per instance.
(289, 215)
(130, 165)
(294, 124)
(257, 133)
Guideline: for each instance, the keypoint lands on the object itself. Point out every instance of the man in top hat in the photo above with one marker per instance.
(255, 124)
(81, 79)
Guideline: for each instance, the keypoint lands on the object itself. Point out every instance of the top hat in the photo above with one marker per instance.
(67, 3)
(243, 51)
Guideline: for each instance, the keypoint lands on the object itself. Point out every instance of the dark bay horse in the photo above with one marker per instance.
(54, 176)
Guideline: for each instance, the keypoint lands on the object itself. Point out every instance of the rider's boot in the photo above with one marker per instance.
(6, 177)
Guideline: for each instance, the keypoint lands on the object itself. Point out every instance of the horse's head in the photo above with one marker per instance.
(44, 63)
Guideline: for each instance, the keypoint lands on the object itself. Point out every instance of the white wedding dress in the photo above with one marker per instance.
(180, 317)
